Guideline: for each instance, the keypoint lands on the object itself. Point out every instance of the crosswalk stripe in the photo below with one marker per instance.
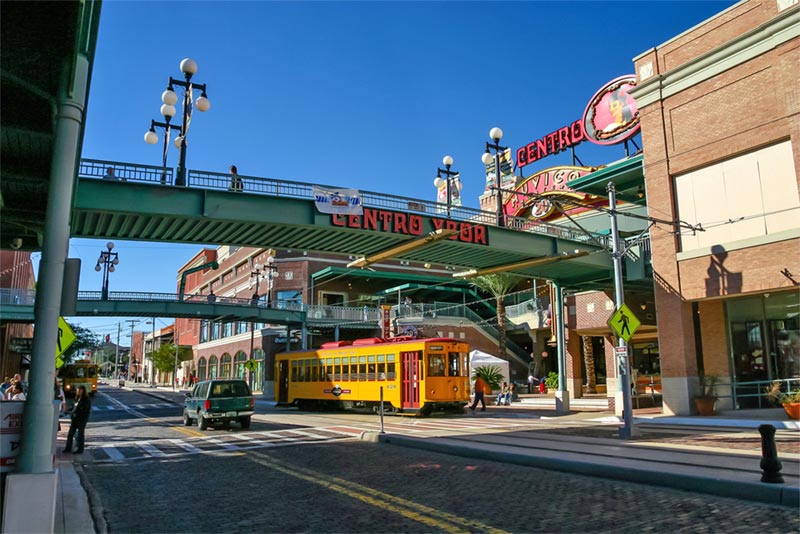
(223, 444)
(152, 449)
(188, 447)
(113, 453)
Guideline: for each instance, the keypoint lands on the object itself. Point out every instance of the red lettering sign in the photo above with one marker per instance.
(552, 143)
(411, 224)
(528, 195)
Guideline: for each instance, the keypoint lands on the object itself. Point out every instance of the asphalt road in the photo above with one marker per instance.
(295, 472)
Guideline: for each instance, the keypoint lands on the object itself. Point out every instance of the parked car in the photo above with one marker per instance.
(219, 401)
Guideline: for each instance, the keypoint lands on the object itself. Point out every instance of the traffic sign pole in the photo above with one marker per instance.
(623, 365)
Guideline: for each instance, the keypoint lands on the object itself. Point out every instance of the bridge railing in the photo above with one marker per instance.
(339, 314)
(91, 168)
(126, 172)
(17, 297)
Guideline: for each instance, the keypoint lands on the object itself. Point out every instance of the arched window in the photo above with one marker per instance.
(201, 368)
(225, 366)
(213, 372)
(239, 370)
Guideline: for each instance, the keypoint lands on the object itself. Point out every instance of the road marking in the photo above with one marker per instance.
(113, 453)
(188, 447)
(152, 449)
(391, 503)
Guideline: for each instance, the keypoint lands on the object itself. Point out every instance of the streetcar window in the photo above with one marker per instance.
(452, 358)
(345, 372)
(436, 365)
(464, 364)
(390, 371)
(381, 370)
(294, 371)
(309, 365)
(353, 368)
(381, 358)
(337, 361)
(371, 371)
(314, 375)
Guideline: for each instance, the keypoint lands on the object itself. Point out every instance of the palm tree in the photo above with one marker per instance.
(588, 359)
(499, 285)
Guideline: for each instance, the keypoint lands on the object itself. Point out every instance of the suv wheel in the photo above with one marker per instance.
(245, 422)
(187, 421)
(202, 424)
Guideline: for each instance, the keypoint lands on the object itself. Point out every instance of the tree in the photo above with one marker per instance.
(85, 340)
(164, 357)
(588, 359)
(499, 285)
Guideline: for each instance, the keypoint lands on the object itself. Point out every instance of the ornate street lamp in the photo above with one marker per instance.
(108, 260)
(496, 134)
(169, 99)
(450, 181)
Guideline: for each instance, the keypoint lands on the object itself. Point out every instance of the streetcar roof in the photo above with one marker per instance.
(375, 341)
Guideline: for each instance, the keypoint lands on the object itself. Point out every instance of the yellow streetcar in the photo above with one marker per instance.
(417, 375)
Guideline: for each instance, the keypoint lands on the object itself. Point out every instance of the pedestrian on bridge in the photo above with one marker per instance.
(236, 180)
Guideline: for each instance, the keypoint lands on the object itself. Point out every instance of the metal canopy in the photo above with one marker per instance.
(627, 175)
(40, 43)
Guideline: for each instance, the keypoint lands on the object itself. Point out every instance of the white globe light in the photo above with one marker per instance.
(188, 66)
(438, 182)
(169, 97)
(168, 111)
(150, 137)
(110, 245)
(496, 133)
(202, 104)
(487, 158)
(111, 269)
(178, 141)
(270, 260)
(97, 267)
(447, 160)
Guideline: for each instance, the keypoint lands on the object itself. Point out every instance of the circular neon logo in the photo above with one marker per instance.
(612, 115)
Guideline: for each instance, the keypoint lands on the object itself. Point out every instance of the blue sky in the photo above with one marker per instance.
(367, 95)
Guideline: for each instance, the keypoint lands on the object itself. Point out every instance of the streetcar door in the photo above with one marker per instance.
(283, 381)
(410, 379)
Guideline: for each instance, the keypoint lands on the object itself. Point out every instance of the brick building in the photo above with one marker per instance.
(720, 120)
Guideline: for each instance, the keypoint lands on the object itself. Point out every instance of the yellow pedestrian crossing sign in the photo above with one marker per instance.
(624, 323)
(66, 337)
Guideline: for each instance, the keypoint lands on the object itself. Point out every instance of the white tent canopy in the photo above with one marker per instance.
(478, 358)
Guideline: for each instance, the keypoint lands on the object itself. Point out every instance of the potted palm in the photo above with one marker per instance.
(790, 401)
(490, 374)
(706, 400)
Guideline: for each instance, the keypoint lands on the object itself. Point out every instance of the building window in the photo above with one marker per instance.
(225, 366)
(764, 335)
(201, 369)
(754, 194)
(212, 367)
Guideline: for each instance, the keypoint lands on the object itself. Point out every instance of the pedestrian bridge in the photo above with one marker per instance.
(143, 204)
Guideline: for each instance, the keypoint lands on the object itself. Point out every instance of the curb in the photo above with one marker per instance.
(750, 491)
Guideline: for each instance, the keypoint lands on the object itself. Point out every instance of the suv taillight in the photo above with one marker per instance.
(252, 402)
(207, 405)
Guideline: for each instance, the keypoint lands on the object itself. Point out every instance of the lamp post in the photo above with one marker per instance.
(254, 274)
(496, 134)
(169, 98)
(270, 268)
(149, 373)
(447, 183)
(108, 260)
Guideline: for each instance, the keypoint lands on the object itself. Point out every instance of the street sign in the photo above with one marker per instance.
(624, 323)
(66, 337)
(21, 345)
(59, 362)
(251, 365)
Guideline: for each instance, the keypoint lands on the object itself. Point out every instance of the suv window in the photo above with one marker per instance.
(202, 389)
(229, 389)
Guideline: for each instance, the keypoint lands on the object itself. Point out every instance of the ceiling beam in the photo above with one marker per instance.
(472, 273)
(416, 244)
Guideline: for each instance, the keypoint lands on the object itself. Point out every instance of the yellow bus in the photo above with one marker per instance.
(79, 373)
(417, 375)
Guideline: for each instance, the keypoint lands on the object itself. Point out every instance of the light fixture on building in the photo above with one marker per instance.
(643, 306)
(640, 192)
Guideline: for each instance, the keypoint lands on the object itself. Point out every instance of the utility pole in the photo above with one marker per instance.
(623, 365)
(116, 350)
(132, 322)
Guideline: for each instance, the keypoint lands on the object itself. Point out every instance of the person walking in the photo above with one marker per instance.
(480, 388)
(79, 417)
(236, 180)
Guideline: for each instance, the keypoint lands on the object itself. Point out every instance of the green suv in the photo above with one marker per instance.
(219, 401)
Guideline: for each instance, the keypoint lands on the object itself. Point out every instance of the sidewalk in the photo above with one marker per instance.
(719, 455)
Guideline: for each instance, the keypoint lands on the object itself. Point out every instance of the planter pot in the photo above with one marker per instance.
(705, 405)
(792, 409)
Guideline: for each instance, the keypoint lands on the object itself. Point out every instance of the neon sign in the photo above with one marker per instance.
(531, 195)
(552, 143)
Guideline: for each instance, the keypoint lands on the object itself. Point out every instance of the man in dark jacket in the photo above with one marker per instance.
(79, 417)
